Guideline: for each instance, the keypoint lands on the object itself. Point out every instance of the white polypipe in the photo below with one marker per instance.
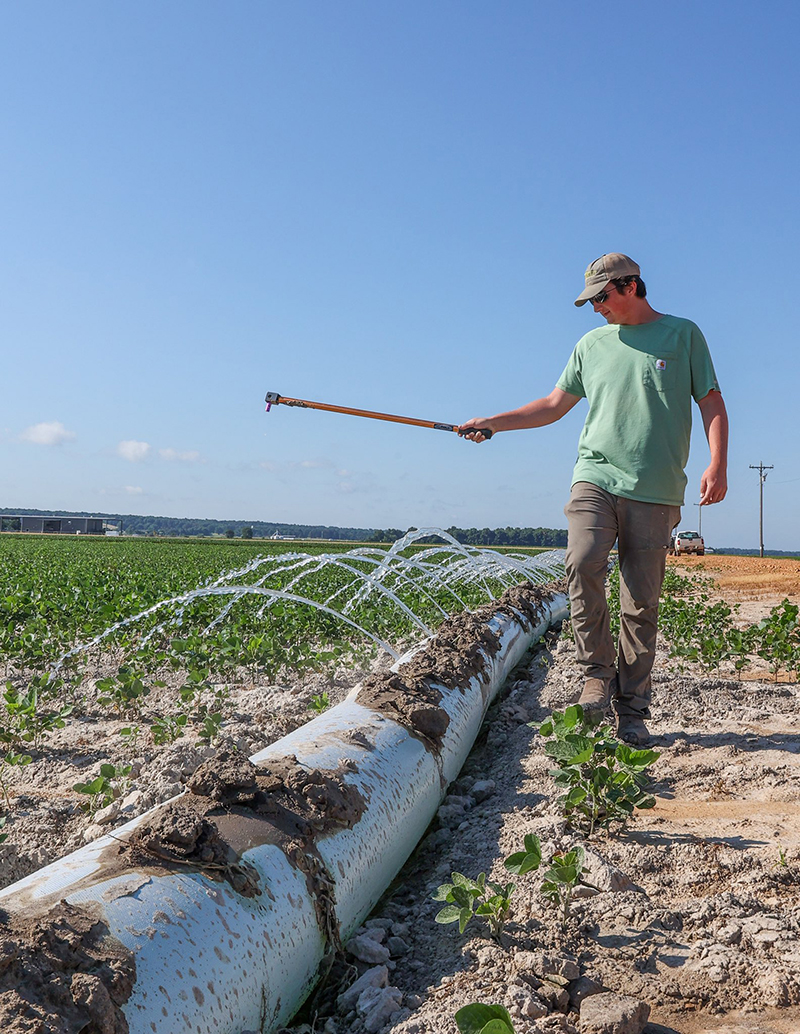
(209, 960)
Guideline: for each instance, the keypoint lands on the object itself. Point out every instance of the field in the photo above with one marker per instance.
(59, 593)
(744, 579)
(126, 662)
(699, 909)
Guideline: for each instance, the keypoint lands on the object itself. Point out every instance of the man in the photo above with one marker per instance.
(639, 374)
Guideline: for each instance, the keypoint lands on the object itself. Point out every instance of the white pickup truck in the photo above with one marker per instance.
(687, 542)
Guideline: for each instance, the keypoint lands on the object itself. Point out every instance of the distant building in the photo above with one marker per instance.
(56, 525)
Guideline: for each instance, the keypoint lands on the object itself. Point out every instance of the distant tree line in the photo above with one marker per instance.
(134, 524)
(754, 551)
(188, 526)
(550, 537)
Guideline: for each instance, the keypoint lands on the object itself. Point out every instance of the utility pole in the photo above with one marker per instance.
(762, 477)
(699, 519)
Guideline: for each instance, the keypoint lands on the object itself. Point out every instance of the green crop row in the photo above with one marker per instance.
(704, 631)
(56, 593)
(214, 607)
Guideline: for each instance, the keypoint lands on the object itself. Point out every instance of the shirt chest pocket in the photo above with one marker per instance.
(661, 372)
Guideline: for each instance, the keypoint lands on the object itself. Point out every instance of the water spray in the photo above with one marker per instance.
(274, 399)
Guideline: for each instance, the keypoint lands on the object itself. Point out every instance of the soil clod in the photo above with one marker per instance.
(63, 973)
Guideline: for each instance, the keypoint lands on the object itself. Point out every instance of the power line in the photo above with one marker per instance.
(762, 477)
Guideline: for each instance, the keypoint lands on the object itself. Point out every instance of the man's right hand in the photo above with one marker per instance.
(473, 430)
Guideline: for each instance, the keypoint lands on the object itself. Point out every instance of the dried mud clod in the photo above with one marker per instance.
(293, 804)
(62, 973)
(182, 833)
(413, 703)
(227, 778)
(304, 804)
(529, 599)
(459, 651)
(307, 802)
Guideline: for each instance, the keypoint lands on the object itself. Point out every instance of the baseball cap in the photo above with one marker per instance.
(607, 267)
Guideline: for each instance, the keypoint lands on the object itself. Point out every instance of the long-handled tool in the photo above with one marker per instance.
(274, 399)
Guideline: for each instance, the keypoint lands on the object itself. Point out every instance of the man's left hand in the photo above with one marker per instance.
(713, 486)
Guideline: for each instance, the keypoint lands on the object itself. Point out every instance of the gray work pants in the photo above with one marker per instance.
(596, 520)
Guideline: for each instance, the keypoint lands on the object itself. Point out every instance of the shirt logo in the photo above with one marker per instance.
(661, 364)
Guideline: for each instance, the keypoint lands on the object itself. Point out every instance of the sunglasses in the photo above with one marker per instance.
(600, 298)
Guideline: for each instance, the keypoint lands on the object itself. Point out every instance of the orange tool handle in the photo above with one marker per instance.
(274, 399)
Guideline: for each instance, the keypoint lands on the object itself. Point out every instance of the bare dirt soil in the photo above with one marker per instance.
(698, 909)
(757, 581)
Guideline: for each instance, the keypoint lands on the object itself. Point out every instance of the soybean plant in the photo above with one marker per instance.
(131, 734)
(11, 760)
(124, 691)
(112, 783)
(602, 777)
(777, 638)
(484, 1019)
(465, 897)
(566, 872)
(25, 720)
(209, 703)
(169, 727)
(320, 702)
(522, 862)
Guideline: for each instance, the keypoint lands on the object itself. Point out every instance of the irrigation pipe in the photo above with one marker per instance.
(207, 958)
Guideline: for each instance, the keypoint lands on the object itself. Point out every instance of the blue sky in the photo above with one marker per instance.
(388, 206)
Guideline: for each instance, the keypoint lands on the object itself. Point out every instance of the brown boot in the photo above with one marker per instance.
(631, 729)
(596, 697)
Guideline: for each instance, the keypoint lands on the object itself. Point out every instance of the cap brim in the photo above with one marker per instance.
(591, 290)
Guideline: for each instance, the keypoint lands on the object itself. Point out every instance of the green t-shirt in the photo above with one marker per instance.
(639, 381)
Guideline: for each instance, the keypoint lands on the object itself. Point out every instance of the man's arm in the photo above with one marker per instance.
(533, 414)
(714, 482)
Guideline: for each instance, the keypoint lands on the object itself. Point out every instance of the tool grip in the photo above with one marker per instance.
(485, 431)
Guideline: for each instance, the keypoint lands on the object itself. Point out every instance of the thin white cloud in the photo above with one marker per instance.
(312, 464)
(133, 451)
(134, 489)
(53, 433)
(173, 455)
